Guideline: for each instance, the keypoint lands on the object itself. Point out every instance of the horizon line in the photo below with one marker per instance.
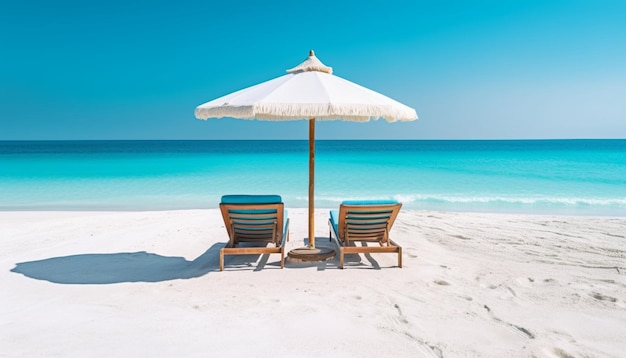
(306, 140)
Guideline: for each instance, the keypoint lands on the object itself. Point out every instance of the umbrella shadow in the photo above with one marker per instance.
(350, 260)
(119, 267)
(320, 242)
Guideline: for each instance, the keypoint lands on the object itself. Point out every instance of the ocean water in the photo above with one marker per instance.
(579, 177)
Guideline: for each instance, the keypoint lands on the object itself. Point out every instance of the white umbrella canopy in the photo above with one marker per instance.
(309, 91)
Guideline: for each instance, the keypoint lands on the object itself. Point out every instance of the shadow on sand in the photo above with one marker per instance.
(143, 266)
(350, 260)
(119, 267)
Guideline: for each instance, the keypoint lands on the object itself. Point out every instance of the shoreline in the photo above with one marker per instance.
(604, 214)
(111, 283)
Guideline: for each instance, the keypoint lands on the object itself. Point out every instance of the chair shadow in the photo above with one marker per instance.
(120, 267)
(353, 260)
(256, 262)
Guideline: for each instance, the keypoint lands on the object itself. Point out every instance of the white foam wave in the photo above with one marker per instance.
(454, 199)
(577, 201)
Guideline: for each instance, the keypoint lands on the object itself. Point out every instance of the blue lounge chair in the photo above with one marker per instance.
(364, 221)
(257, 220)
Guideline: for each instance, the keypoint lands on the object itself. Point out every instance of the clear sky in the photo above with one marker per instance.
(472, 69)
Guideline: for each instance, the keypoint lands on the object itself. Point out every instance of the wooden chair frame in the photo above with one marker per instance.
(365, 223)
(257, 223)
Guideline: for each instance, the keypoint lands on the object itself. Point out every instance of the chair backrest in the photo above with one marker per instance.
(253, 218)
(367, 220)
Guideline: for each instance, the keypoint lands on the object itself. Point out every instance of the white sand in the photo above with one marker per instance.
(94, 284)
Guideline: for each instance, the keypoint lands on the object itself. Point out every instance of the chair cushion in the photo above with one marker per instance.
(255, 199)
(370, 202)
(251, 199)
(334, 221)
(285, 219)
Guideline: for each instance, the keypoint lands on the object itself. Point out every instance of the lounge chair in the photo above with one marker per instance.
(364, 221)
(254, 219)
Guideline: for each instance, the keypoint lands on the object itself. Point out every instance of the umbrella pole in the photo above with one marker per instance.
(310, 252)
(311, 182)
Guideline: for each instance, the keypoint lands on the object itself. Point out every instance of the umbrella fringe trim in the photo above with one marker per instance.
(276, 111)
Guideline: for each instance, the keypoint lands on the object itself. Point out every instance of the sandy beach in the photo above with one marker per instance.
(122, 284)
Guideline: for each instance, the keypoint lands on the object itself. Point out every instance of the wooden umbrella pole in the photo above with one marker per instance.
(310, 252)
(311, 182)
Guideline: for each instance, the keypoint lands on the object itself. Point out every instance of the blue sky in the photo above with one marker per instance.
(471, 69)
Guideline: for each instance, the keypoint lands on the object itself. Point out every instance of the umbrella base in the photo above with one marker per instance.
(311, 254)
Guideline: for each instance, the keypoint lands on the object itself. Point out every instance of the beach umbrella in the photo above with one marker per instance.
(310, 92)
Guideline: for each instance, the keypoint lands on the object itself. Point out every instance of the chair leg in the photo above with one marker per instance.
(400, 257)
(222, 260)
(282, 258)
(341, 253)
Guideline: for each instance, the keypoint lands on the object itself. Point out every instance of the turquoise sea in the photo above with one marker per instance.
(580, 177)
